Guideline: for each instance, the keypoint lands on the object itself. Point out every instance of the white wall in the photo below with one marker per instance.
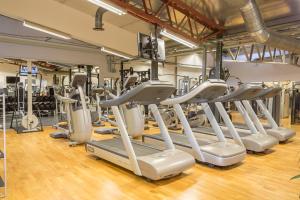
(247, 72)
(162, 71)
(12, 70)
(189, 65)
(257, 72)
(167, 73)
(40, 51)
(7, 70)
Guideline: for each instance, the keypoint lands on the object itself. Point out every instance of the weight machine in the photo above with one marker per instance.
(26, 121)
(295, 102)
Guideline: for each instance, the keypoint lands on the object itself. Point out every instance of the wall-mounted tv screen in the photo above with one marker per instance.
(149, 47)
(12, 80)
(24, 70)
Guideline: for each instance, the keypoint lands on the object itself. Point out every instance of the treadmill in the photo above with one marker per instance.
(143, 159)
(215, 150)
(253, 139)
(281, 133)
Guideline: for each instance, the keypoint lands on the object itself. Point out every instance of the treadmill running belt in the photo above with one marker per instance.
(181, 139)
(116, 146)
(209, 145)
(244, 126)
(202, 130)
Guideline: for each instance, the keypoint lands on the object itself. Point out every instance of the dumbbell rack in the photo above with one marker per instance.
(44, 104)
(3, 182)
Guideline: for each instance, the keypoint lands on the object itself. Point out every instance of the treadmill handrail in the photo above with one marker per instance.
(140, 94)
(195, 94)
(245, 91)
(268, 93)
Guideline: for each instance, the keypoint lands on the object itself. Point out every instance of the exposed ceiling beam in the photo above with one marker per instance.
(147, 14)
(193, 14)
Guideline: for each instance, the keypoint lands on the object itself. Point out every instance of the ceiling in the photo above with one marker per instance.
(14, 28)
(226, 12)
(127, 22)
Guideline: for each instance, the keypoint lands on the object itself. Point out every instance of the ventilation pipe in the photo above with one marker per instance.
(256, 27)
(98, 19)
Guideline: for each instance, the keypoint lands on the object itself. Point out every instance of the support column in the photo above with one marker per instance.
(154, 70)
(55, 78)
(219, 60)
(218, 73)
(293, 110)
(276, 109)
(88, 85)
(122, 75)
(175, 73)
(98, 80)
(154, 57)
(70, 75)
(204, 65)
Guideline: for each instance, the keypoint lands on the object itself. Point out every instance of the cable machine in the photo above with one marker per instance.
(295, 102)
(26, 121)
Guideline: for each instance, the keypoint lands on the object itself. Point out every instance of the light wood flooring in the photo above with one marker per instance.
(41, 168)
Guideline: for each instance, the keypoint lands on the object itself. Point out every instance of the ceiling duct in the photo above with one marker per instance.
(98, 19)
(256, 27)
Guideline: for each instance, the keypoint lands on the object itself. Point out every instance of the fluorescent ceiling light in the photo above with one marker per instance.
(108, 7)
(115, 53)
(4, 59)
(46, 30)
(176, 38)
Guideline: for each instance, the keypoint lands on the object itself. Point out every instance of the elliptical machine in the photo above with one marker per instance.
(78, 114)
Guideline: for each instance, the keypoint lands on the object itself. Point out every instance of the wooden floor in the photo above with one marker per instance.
(42, 168)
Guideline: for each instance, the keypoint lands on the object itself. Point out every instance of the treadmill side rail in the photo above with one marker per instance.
(254, 117)
(188, 132)
(162, 126)
(267, 114)
(246, 117)
(126, 141)
(229, 123)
